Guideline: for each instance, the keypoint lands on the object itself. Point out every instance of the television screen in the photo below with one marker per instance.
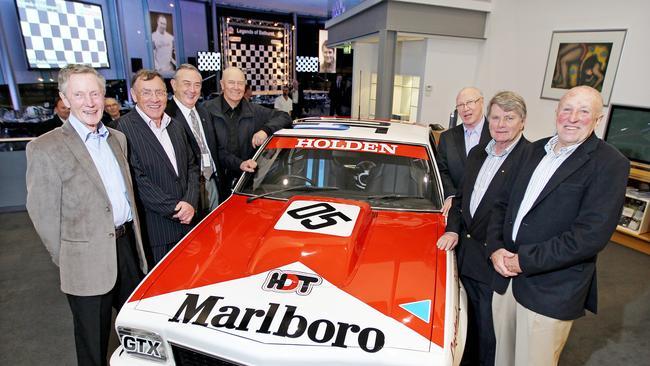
(628, 129)
(60, 32)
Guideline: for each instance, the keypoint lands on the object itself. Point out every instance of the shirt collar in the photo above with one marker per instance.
(225, 107)
(165, 118)
(478, 127)
(491, 148)
(550, 147)
(186, 111)
(84, 132)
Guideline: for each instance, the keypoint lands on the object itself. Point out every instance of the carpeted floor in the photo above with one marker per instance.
(36, 325)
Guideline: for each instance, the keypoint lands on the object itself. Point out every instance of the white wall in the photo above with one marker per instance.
(514, 56)
(516, 50)
(451, 64)
(364, 64)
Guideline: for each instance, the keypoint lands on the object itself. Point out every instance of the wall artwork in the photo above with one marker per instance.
(326, 55)
(583, 58)
(162, 43)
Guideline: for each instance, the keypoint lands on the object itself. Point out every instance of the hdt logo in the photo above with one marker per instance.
(291, 281)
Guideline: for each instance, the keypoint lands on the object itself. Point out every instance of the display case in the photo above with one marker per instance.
(634, 224)
(406, 94)
(635, 216)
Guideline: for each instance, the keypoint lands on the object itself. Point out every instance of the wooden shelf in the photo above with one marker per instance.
(636, 242)
(640, 174)
(640, 242)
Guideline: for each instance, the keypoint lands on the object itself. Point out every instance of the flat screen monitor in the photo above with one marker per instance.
(61, 32)
(628, 129)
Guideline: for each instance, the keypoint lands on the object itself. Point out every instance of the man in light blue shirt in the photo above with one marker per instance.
(80, 199)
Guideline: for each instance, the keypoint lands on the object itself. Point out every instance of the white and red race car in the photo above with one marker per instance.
(326, 255)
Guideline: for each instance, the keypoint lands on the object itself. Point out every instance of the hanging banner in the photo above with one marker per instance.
(261, 49)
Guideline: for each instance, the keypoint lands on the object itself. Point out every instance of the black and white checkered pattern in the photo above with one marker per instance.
(264, 65)
(306, 64)
(63, 33)
(209, 61)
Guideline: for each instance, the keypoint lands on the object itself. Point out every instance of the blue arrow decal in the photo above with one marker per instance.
(421, 309)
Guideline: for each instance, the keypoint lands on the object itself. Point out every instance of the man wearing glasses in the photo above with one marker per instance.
(456, 142)
(165, 172)
(241, 126)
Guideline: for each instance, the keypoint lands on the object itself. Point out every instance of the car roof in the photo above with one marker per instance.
(359, 129)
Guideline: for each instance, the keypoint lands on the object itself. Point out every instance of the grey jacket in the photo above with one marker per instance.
(71, 212)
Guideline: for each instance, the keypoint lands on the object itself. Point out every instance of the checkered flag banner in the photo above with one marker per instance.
(58, 33)
(306, 64)
(209, 61)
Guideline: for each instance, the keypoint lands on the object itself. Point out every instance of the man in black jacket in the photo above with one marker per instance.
(456, 143)
(241, 126)
(487, 171)
(547, 230)
(61, 114)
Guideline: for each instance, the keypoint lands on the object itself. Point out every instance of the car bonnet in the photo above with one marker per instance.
(272, 271)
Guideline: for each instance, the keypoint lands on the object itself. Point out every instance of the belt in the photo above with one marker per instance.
(123, 229)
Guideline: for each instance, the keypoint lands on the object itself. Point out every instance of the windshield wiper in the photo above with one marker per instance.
(392, 196)
(292, 188)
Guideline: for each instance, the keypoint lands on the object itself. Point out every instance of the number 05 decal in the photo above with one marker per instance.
(320, 217)
(324, 211)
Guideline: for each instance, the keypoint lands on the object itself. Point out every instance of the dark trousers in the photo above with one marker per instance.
(480, 344)
(92, 314)
(158, 252)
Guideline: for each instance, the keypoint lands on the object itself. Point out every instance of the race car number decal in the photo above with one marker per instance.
(319, 217)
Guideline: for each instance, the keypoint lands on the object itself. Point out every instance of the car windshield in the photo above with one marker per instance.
(386, 175)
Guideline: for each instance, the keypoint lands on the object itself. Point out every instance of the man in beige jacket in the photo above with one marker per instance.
(80, 199)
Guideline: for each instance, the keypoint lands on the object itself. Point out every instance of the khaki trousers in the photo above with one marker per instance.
(525, 338)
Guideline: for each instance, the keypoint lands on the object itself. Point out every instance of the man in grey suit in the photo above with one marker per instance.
(80, 199)
(165, 172)
(200, 133)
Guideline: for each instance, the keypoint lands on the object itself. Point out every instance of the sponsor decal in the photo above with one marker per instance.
(291, 281)
(421, 309)
(319, 217)
(369, 146)
(375, 147)
(291, 325)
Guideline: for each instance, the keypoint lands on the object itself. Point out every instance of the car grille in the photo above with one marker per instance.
(189, 357)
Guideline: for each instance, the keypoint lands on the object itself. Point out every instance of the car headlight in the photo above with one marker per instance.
(143, 344)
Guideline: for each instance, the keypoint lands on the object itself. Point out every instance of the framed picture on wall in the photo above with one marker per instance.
(326, 55)
(583, 58)
(162, 42)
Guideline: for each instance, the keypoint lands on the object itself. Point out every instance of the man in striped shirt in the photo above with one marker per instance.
(546, 232)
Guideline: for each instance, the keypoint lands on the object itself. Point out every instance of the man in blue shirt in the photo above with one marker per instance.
(80, 199)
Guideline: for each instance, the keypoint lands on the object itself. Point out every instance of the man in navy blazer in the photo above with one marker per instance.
(455, 143)
(165, 173)
(546, 232)
(487, 171)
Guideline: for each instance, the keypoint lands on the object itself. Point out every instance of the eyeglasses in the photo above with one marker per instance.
(147, 93)
(468, 104)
